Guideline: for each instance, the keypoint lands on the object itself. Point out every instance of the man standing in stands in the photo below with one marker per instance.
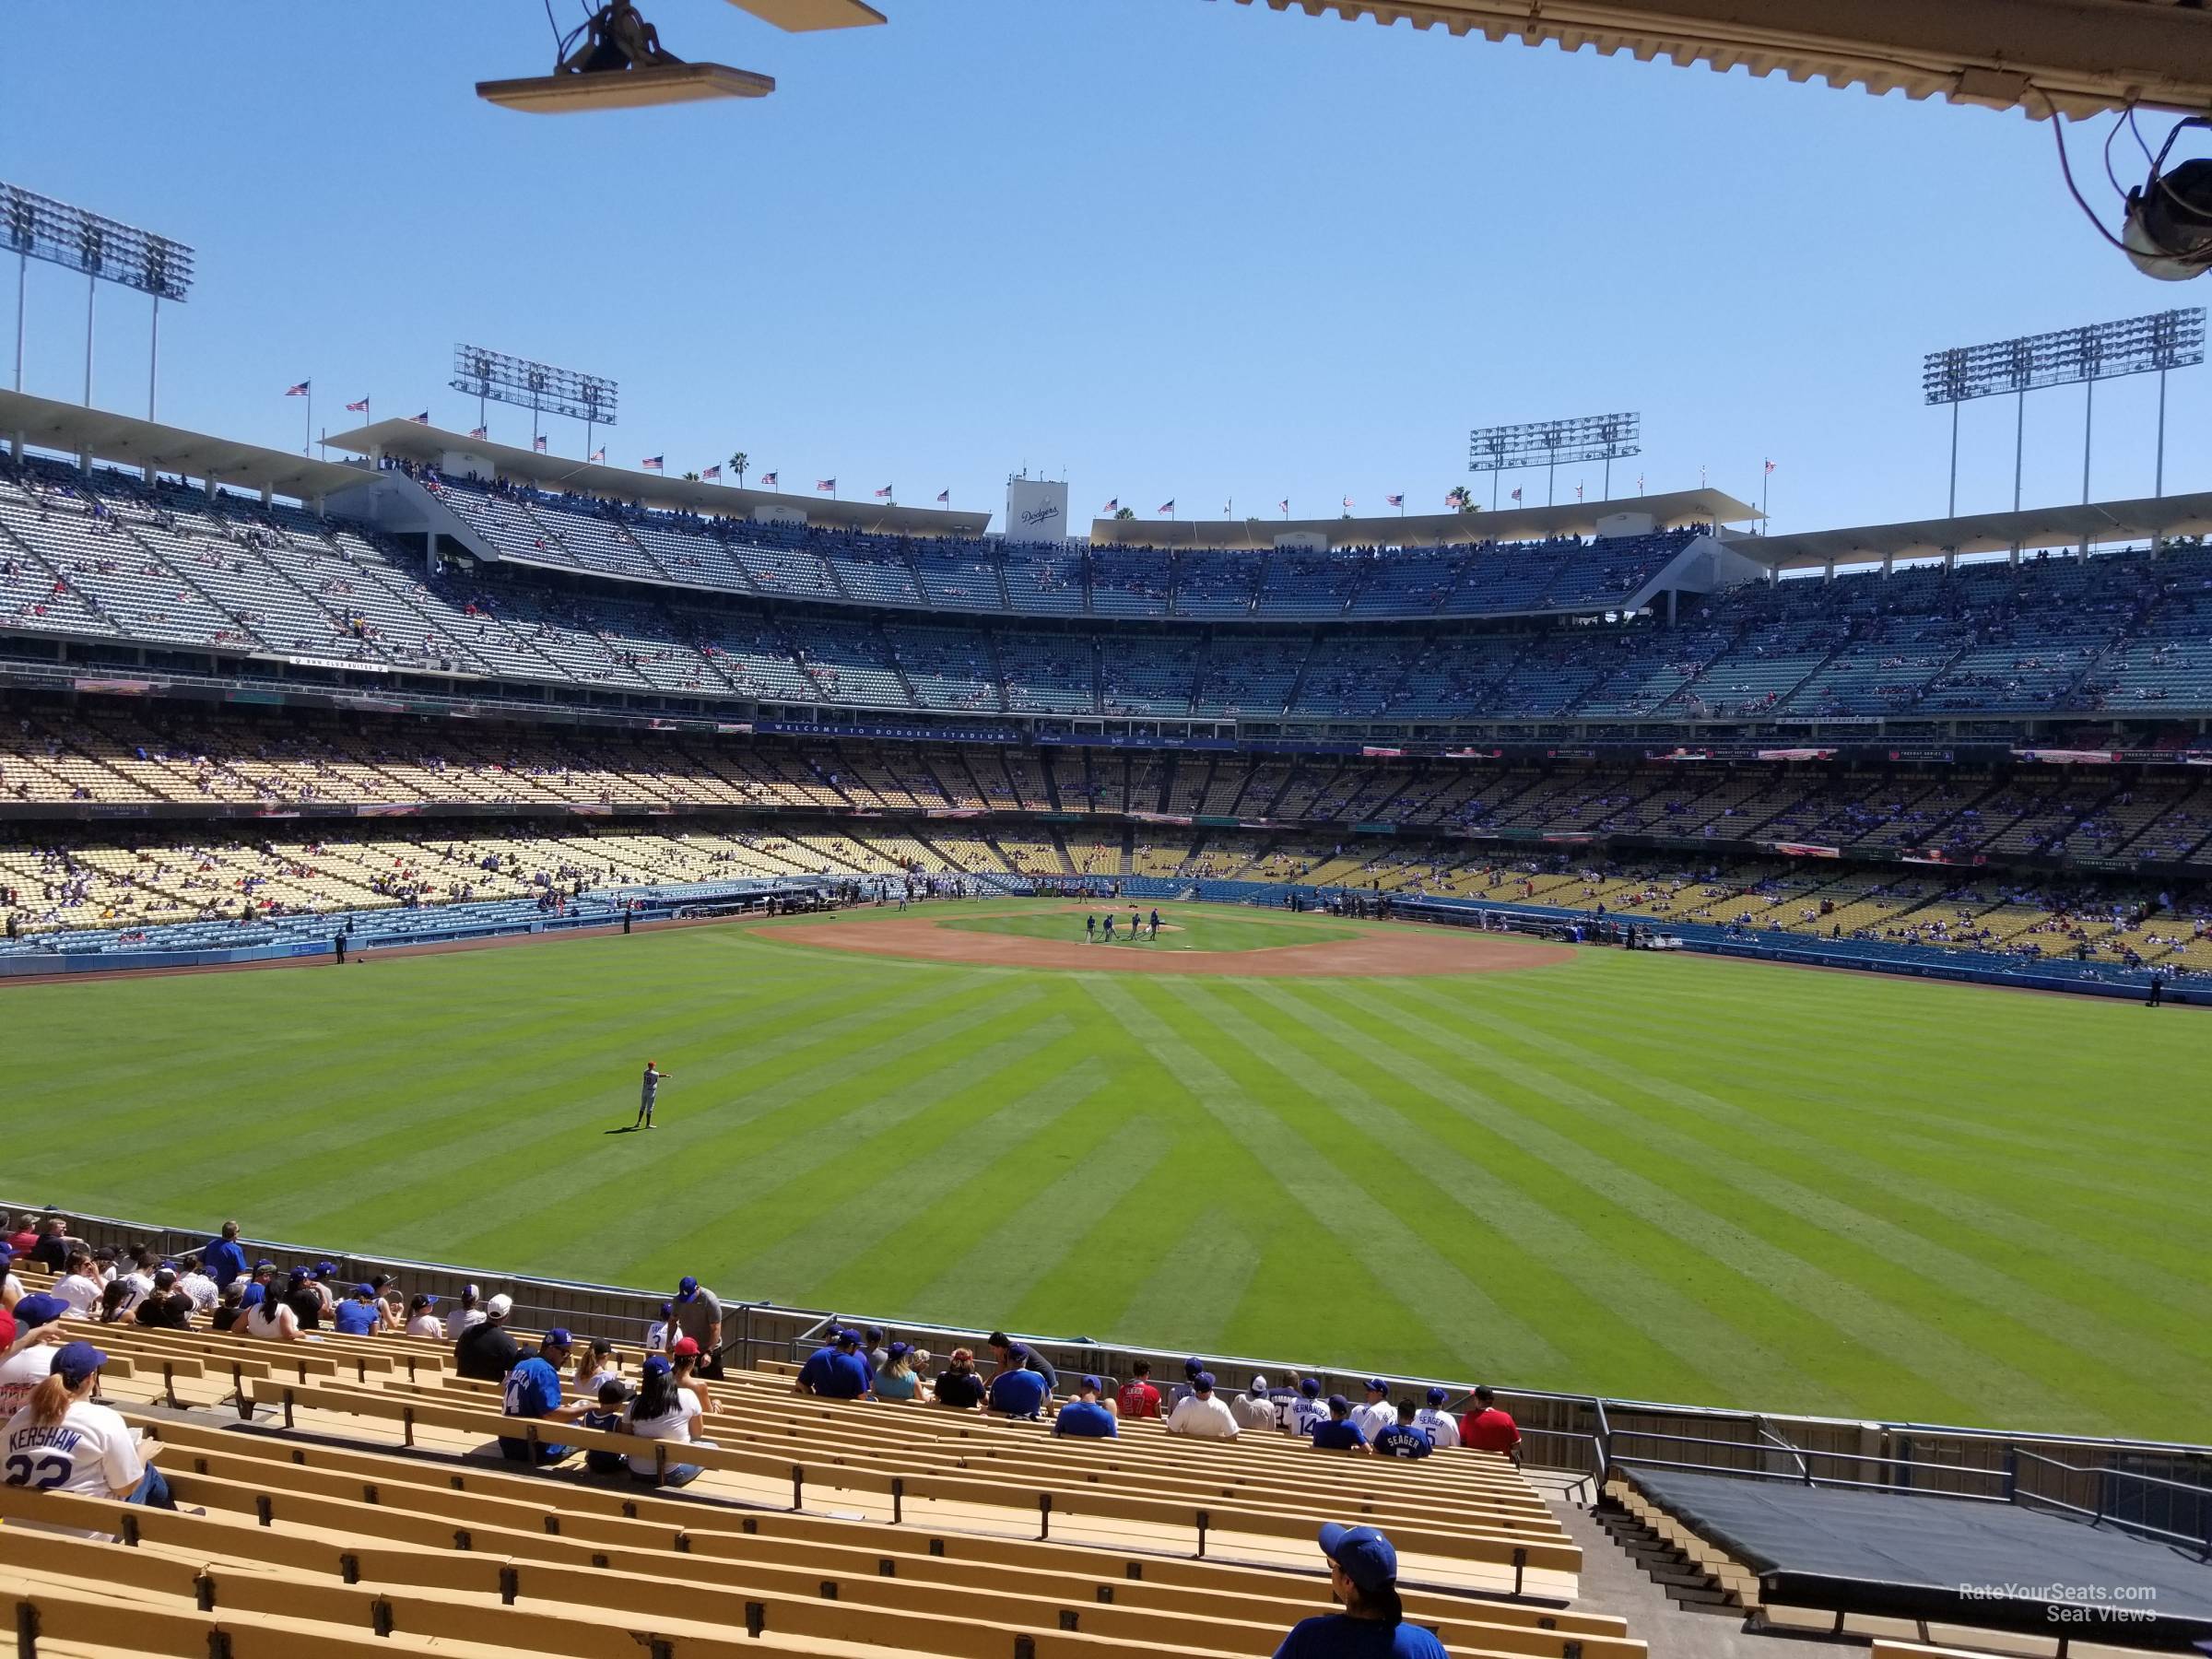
(1487, 1427)
(1437, 1423)
(699, 1316)
(1084, 1417)
(1403, 1438)
(1200, 1415)
(486, 1352)
(224, 1258)
(648, 1091)
(1137, 1397)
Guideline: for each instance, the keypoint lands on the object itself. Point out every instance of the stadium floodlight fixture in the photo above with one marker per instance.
(1607, 438)
(104, 250)
(2066, 357)
(613, 60)
(543, 389)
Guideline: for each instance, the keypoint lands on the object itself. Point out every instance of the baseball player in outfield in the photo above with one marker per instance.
(647, 1093)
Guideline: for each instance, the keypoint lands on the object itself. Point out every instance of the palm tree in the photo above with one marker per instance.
(738, 462)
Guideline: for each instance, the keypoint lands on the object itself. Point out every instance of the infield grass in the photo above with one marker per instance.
(1190, 928)
(1666, 1177)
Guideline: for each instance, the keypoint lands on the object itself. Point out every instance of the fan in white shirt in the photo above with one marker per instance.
(1434, 1421)
(1202, 1414)
(1378, 1413)
(81, 1288)
(421, 1321)
(61, 1441)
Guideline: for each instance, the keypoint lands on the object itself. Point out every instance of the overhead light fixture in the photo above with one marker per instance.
(613, 60)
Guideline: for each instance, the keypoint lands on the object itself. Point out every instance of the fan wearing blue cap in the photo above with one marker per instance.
(1363, 1575)
(836, 1371)
(1340, 1433)
(1304, 1415)
(360, 1314)
(60, 1441)
(1376, 1413)
(533, 1390)
(1016, 1391)
(1084, 1417)
(1437, 1423)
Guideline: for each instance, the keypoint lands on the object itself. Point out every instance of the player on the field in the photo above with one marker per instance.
(1090, 930)
(1155, 924)
(1108, 930)
(648, 1092)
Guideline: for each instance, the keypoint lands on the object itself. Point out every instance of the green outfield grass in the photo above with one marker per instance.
(1659, 1176)
(1189, 927)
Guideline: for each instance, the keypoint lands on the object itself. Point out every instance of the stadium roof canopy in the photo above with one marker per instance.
(2152, 518)
(1429, 529)
(127, 440)
(430, 445)
(2078, 56)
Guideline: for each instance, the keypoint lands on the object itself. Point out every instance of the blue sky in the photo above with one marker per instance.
(1181, 248)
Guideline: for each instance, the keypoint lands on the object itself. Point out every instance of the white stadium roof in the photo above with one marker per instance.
(1426, 529)
(430, 445)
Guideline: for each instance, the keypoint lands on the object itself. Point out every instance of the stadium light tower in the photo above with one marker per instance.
(2168, 339)
(1605, 438)
(541, 388)
(38, 227)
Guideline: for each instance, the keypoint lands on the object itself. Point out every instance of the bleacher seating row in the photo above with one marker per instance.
(344, 1496)
(106, 560)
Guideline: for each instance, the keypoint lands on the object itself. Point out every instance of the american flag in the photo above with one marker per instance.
(1283, 505)
(768, 481)
(1516, 495)
(1638, 483)
(1167, 506)
(479, 432)
(945, 496)
(1396, 500)
(1578, 492)
(650, 463)
(1348, 503)
(357, 408)
(297, 391)
(421, 419)
(825, 483)
(884, 494)
(598, 455)
(711, 472)
(1112, 506)
(538, 443)
(1769, 466)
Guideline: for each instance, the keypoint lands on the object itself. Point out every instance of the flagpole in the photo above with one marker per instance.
(308, 447)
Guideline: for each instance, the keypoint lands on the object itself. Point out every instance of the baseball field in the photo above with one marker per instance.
(1652, 1176)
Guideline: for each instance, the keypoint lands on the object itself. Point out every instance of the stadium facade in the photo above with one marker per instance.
(1986, 742)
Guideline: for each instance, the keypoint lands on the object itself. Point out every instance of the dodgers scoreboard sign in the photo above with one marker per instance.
(1036, 509)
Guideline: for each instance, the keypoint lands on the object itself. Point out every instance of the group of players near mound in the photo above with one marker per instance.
(1098, 933)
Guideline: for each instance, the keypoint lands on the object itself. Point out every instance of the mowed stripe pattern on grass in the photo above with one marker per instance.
(1653, 1177)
